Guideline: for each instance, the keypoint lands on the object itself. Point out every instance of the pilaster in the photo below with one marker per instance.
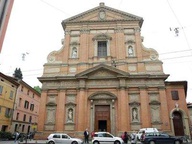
(60, 111)
(145, 111)
(164, 109)
(42, 111)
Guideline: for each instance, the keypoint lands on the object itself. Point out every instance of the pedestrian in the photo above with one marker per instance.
(92, 134)
(142, 137)
(86, 136)
(16, 136)
(125, 137)
(133, 138)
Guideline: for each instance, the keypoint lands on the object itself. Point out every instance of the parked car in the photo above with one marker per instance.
(62, 138)
(161, 138)
(106, 138)
(147, 130)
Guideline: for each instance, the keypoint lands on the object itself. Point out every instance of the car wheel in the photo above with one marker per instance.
(95, 142)
(117, 142)
(74, 142)
(151, 142)
(51, 142)
(177, 142)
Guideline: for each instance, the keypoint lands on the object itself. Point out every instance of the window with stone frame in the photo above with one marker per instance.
(26, 105)
(11, 95)
(24, 117)
(175, 95)
(102, 49)
(102, 45)
(1, 90)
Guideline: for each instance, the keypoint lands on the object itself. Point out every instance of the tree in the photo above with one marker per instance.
(37, 88)
(18, 74)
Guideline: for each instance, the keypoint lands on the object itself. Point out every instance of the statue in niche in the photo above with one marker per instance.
(130, 51)
(134, 114)
(74, 53)
(70, 115)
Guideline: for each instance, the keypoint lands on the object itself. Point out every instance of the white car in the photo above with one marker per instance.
(106, 138)
(62, 138)
(147, 130)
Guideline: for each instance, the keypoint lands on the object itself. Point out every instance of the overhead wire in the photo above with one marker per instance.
(179, 24)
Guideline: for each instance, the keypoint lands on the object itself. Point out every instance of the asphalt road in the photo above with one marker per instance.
(42, 142)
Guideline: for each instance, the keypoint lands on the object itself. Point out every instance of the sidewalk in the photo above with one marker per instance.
(33, 142)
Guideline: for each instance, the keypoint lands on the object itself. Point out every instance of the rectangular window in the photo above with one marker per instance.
(175, 95)
(102, 49)
(22, 88)
(27, 92)
(32, 107)
(8, 112)
(24, 117)
(20, 101)
(1, 90)
(23, 128)
(30, 119)
(11, 95)
(17, 117)
(26, 105)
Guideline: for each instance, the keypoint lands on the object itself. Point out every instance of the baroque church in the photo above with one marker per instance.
(103, 78)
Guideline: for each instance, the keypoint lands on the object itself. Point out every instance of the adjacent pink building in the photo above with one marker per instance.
(26, 109)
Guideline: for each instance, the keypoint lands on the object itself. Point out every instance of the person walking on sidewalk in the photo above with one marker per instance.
(16, 136)
(86, 136)
(133, 138)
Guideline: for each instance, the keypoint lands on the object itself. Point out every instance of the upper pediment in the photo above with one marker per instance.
(102, 71)
(102, 13)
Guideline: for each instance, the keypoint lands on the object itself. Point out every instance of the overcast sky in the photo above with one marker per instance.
(35, 30)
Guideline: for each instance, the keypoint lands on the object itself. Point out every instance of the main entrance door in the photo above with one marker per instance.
(102, 118)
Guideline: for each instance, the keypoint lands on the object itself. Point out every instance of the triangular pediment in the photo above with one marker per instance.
(102, 13)
(102, 71)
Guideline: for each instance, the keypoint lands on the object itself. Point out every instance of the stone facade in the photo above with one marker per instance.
(104, 79)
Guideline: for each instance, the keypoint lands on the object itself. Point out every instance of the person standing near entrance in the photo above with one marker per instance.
(86, 136)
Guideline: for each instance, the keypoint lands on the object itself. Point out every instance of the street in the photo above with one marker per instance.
(43, 142)
(24, 142)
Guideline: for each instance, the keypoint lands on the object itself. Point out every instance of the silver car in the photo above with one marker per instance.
(57, 138)
(106, 138)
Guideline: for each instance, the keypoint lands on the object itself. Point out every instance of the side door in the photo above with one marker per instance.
(57, 138)
(164, 138)
(109, 138)
(66, 139)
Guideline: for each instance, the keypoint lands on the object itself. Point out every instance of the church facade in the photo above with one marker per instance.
(104, 79)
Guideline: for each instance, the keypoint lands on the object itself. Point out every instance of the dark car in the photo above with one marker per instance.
(161, 138)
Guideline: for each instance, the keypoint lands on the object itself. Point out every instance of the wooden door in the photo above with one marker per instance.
(102, 118)
(178, 124)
